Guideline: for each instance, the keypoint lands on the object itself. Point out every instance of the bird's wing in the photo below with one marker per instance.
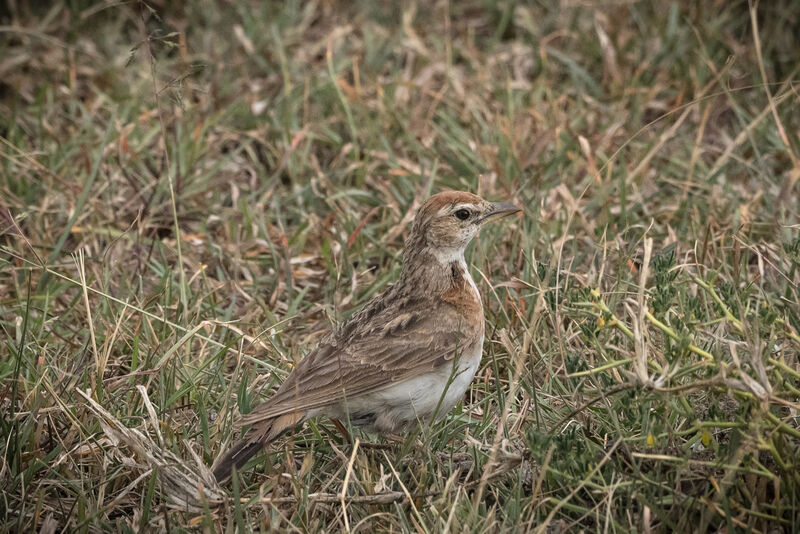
(376, 348)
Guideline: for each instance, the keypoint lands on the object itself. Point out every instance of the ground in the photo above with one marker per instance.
(192, 193)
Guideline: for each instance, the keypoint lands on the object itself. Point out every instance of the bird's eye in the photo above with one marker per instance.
(462, 214)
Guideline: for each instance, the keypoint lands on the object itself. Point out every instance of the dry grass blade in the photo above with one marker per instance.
(639, 323)
(189, 487)
(347, 475)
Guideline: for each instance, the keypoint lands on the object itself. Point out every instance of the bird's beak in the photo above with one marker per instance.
(499, 210)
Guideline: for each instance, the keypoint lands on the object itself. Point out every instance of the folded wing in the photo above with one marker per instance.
(396, 343)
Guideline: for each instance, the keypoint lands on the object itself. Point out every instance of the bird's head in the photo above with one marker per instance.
(447, 222)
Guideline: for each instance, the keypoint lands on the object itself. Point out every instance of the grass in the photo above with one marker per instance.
(192, 194)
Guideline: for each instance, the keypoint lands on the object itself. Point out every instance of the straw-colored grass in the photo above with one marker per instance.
(192, 193)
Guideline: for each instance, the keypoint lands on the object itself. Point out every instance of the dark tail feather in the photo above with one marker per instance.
(237, 457)
(255, 439)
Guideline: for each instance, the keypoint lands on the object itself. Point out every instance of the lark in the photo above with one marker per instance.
(407, 356)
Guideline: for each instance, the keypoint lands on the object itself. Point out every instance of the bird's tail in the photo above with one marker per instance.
(236, 457)
(255, 439)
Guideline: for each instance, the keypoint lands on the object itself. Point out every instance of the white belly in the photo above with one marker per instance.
(416, 399)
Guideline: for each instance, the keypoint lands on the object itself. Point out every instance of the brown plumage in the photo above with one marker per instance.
(390, 364)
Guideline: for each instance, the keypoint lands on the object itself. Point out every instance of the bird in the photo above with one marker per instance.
(407, 356)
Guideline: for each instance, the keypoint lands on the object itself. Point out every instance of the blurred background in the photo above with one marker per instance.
(192, 193)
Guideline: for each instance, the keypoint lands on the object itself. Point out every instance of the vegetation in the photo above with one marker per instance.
(192, 193)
